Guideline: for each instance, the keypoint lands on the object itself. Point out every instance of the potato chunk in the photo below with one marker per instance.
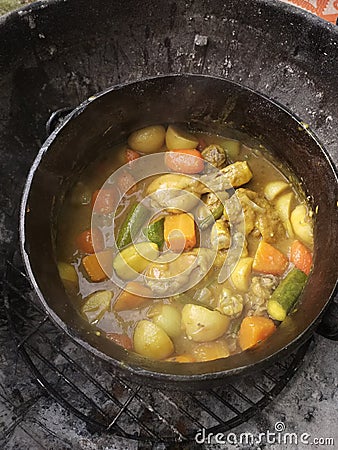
(203, 325)
(151, 341)
(148, 139)
(177, 139)
(301, 224)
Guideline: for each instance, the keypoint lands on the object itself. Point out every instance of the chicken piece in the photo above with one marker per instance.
(220, 235)
(259, 293)
(169, 277)
(260, 217)
(230, 304)
(175, 192)
(238, 173)
(214, 155)
(232, 176)
(182, 192)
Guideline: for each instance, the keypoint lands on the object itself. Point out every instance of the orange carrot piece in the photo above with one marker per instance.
(90, 241)
(301, 257)
(255, 329)
(179, 232)
(184, 161)
(99, 266)
(104, 200)
(269, 260)
(128, 299)
(131, 155)
(121, 339)
(126, 183)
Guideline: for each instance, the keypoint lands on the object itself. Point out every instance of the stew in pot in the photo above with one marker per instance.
(185, 246)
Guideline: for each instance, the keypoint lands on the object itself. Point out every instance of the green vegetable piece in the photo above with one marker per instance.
(131, 226)
(134, 259)
(155, 232)
(231, 147)
(216, 213)
(96, 305)
(284, 298)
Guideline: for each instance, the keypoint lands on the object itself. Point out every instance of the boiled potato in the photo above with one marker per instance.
(301, 224)
(231, 147)
(151, 341)
(274, 188)
(209, 351)
(203, 325)
(148, 139)
(134, 259)
(240, 277)
(283, 206)
(166, 317)
(67, 272)
(176, 139)
(96, 305)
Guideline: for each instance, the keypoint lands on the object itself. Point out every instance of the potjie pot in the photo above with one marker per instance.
(206, 103)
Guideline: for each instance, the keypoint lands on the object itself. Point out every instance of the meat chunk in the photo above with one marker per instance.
(232, 176)
(220, 235)
(230, 304)
(167, 277)
(214, 155)
(259, 293)
(260, 217)
(238, 173)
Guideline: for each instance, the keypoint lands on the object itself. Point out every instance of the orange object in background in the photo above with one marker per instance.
(325, 9)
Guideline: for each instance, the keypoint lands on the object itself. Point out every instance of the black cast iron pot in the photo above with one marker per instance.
(207, 103)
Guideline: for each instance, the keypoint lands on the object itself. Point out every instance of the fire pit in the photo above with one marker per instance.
(54, 55)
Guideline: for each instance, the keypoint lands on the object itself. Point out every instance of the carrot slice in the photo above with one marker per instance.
(179, 232)
(99, 266)
(184, 161)
(269, 260)
(126, 183)
(104, 200)
(90, 241)
(131, 155)
(121, 339)
(255, 329)
(301, 257)
(128, 299)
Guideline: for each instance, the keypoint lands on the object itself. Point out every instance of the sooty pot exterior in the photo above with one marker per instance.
(206, 103)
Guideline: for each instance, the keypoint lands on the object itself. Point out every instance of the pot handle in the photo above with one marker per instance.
(56, 119)
(328, 327)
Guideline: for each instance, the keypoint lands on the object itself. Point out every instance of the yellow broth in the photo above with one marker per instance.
(75, 217)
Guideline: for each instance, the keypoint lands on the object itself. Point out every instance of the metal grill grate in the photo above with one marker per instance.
(109, 403)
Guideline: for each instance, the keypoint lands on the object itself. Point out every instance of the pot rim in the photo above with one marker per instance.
(141, 372)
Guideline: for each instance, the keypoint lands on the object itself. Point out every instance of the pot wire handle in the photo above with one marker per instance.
(56, 118)
(328, 327)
